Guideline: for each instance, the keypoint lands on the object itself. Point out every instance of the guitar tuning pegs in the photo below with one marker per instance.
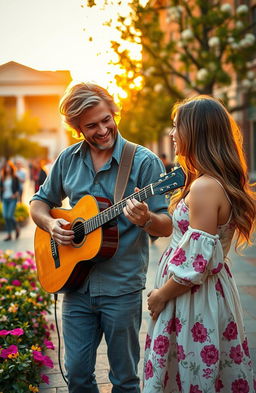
(162, 174)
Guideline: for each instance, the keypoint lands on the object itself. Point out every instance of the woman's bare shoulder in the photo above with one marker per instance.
(205, 185)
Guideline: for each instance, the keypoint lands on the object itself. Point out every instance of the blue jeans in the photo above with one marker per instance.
(9, 205)
(84, 320)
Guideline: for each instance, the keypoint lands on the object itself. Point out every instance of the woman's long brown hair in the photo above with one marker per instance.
(4, 171)
(211, 143)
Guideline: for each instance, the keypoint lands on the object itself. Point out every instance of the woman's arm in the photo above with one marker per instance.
(203, 215)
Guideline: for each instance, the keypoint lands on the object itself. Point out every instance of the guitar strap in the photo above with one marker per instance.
(124, 170)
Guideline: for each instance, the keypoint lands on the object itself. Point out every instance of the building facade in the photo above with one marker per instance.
(26, 90)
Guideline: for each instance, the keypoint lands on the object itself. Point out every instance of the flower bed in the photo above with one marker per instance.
(24, 331)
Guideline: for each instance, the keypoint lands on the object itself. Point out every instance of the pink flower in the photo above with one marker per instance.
(178, 381)
(184, 208)
(219, 288)
(17, 332)
(166, 377)
(230, 331)
(207, 373)
(199, 263)
(194, 389)
(180, 353)
(236, 354)
(170, 326)
(195, 235)
(3, 280)
(48, 344)
(161, 345)
(218, 268)
(42, 359)
(4, 332)
(11, 264)
(179, 257)
(148, 342)
(199, 332)
(47, 362)
(18, 254)
(149, 370)
(183, 225)
(245, 347)
(16, 283)
(240, 386)
(218, 385)
(178, 326)
(161, 362)
(209, 354)
(38, 356)
(12, 349)
(45, 379)
(31, 253)
(174, 325)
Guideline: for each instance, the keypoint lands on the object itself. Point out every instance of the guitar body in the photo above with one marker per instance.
(64, 268)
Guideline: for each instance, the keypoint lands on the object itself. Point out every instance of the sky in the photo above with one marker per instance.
(53, 35)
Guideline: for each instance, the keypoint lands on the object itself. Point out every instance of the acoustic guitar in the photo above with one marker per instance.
(63, 268)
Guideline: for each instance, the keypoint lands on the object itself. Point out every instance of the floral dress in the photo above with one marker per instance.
(197, 344)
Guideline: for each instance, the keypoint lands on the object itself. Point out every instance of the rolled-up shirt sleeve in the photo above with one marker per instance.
(51, 191)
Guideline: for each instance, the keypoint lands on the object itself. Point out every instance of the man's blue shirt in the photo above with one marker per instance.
(73, 176)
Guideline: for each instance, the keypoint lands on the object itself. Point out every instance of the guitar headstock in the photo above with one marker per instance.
(170, 181)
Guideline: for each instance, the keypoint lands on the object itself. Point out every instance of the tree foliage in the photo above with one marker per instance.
(188, 47)
(15, 134)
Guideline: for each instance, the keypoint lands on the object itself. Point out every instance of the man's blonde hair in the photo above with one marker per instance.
(80, 97)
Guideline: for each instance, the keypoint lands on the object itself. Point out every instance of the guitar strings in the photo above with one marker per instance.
(81, 228)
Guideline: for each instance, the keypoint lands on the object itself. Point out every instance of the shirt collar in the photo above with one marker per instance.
(117, 152)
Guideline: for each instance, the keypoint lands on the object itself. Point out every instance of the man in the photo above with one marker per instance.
(109, 302)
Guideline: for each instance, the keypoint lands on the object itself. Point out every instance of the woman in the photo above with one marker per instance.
(196, 341)
(9, 188)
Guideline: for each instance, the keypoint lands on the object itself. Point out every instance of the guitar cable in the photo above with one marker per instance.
(58, 335)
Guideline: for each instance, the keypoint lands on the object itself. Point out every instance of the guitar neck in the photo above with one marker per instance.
(115, 210)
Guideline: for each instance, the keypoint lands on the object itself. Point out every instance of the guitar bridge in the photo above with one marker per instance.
(55, 253)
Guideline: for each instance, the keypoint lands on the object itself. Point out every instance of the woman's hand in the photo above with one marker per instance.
(156, 303)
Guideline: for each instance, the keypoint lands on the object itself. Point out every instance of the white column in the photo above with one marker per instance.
(20, 106)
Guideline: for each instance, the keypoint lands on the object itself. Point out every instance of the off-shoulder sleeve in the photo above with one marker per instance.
(197, 255)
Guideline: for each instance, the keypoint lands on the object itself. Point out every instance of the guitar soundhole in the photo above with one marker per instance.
(78, 228)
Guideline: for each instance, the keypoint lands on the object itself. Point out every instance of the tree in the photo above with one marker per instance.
(188, 47)
(15, 133)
